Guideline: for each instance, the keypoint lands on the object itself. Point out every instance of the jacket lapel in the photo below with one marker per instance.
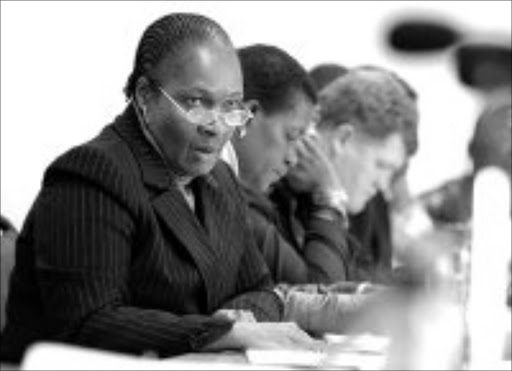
(170, 205)
(216, 207)
(218, 211)
(181, 221)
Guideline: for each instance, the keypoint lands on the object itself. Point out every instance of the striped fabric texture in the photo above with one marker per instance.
(112, 257)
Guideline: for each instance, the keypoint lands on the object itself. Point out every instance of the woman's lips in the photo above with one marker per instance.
(206, 149)
(279, 173)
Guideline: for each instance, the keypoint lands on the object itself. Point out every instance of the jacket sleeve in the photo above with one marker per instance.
(84, 241)
(325, 249)
(256, 288)
(254, 284)
(321, 259)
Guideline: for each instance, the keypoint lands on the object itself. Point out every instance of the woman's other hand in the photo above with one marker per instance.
(235, 315)
(266, 335)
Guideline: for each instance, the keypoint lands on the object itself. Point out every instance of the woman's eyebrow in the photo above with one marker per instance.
(193, 90)
(236, 94)
(210, 94)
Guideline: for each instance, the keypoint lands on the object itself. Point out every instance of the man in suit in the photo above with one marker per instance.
(138, 239)
(366, 118)
(368, 220)
(490, 145)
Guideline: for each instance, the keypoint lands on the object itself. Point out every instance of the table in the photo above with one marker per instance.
(67, 357)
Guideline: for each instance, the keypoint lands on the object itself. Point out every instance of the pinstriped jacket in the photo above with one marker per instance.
(111, 256)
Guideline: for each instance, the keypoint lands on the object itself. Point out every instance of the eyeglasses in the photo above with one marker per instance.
(234, 117)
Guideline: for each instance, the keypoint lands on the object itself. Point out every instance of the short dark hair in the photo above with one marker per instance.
(374, 100)
(491, 140)
(273, 77)
(168, 35)
(325, 73)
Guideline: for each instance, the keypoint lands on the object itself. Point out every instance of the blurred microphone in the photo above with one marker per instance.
(422, 35)
(484, 66)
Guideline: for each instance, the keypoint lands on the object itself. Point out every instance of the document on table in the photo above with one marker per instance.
(285, 357)
(360, 352)
(342, 353)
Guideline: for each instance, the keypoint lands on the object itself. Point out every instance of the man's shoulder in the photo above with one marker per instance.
(451, 189)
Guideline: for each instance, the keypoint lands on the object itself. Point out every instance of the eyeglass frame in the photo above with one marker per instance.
(212, 111)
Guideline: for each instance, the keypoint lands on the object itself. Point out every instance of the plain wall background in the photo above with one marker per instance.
(64, 65)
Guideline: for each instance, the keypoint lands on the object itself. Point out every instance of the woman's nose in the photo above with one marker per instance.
(383, 183)
(291, 157)
(213, 128)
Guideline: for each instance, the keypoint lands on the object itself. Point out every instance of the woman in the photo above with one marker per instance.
(137, 240)
(282, 99)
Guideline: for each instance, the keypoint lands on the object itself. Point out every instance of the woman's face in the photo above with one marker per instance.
(269, 147)
(204, 74)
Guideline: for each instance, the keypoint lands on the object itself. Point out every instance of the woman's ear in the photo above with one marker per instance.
(255, 108)
(142, 94)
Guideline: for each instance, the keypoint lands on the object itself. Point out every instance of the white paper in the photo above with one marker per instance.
(285, 357)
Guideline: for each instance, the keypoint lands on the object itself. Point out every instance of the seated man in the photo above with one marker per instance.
(489, 146)
(452, 203)
(368, 144)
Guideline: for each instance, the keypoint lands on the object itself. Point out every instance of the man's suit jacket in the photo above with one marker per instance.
(111, 255)
(372, 229)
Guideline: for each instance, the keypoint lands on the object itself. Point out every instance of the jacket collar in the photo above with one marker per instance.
(207, 242)
(154, 170)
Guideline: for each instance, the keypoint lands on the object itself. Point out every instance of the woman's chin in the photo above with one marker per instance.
(355, 207)
(199, 168)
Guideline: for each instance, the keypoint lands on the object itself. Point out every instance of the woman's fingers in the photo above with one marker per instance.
(313, 146)
(299, 338)
(237, 315)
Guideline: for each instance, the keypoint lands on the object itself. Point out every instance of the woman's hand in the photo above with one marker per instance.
(266, 335)
(235, 315)
(313, 171)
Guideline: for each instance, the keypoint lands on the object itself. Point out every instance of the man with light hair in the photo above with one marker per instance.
(368, 128)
